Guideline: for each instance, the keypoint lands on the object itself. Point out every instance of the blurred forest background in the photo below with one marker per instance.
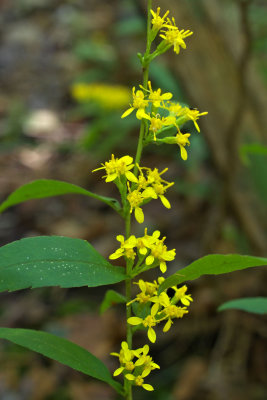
(218, 201)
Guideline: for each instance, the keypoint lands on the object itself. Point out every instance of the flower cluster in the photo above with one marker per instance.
(150, 250)
(163, 307)
(161, 114)
(147, 185)
(135, 365)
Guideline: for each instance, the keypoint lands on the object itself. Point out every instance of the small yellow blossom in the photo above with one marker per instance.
(175, 37)
(117, 167)
(126, 248)
(157, 21)
(157, 122)
(156, 186)
(170, 311)
(148, 290)
(144, 243)
(193, 115)
(182, 140)
(161, 254)
(139, 380)
(146, 361)
(148, 322)
(156, 97)
(175, 108)
(135, 199)
(135, 365)
(180, 295)
(139, 103)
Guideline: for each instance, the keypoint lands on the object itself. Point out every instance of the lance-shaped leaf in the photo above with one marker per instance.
(111, 298)
(214, 264)
(61, 350)
(42, 188)
(54, 261)
(256, 305)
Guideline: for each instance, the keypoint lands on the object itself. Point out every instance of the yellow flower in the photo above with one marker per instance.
(157, 122)
(157, 21)
(194, 115)
(126, 248)
(175, 108)
(126, 357)
(139, 380)
(161, 254)
(135, 199)
(157, 186)
(148, 290)
(147, 322)
(180, 295)
(146, 361)
(139, 103)
(156, 97)
(144, 243)
(117, 167)
(174, 36)
(182, 140)
(139, 368)
(170, 310)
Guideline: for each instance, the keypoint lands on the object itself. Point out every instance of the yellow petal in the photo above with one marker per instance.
(167, 325)
(149, 260)
(130, 377)
(131, 177)
(148, 387)
(111, 177)
(154, 309)
(134, 320)
(151, 334)
(165, 201)
(139, 215)
(183, 153)
(149, 192)
(140, 114)
(127, 159)
(127, 112)
(118, 371)
(163, 267)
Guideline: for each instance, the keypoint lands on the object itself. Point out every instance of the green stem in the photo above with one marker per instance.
(128, 282)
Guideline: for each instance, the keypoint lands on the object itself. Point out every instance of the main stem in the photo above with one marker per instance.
(128, 282)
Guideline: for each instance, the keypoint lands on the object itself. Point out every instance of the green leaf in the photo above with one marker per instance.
(256, 305)
(111, 298)
(43, 188)
(61, 350)
(214, 264)
(54, 261)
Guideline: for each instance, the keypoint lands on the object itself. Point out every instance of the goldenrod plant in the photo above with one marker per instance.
(66, 262)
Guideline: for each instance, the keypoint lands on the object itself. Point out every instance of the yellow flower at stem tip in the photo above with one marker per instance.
(175, 37)
(157, 21)
(117, 167)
